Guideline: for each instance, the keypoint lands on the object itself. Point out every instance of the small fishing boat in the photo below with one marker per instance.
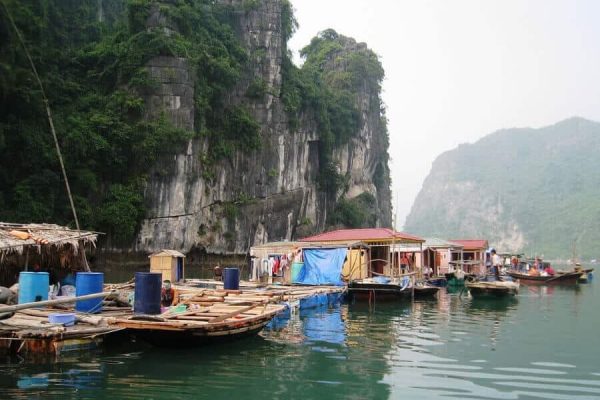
(382, 288)
(480, 289)
(567, 278)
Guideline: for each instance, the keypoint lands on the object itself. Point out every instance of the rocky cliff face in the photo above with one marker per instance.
(531, 190)
(259, 195)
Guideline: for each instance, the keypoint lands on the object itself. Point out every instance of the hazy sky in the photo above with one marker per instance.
(457, 70)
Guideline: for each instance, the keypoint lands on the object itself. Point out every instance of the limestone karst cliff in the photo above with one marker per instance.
(185, 124)
(272, 192)
(529, 190)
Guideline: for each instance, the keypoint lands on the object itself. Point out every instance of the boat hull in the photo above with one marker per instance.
(198, 330)
(492, 289)
(194, 338)
(569, 278)
(363, 291)
(439, 281)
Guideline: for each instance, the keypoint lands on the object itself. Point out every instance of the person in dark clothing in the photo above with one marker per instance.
(168, 295)
(218, 273)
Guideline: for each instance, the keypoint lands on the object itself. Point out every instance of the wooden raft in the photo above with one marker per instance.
(219, 312)
(209, 313)
(29, 332)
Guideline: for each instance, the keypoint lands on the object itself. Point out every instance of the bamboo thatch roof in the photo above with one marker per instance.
(15, 238)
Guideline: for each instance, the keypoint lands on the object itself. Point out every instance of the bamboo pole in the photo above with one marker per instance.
(25, 306)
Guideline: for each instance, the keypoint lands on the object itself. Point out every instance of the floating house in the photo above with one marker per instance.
(385, 250)
(277, 261)
(438, 253)
(263, 254)
(44, 247)
(473, 254)
(170, 263)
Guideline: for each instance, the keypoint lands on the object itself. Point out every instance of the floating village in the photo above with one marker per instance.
(52, 303)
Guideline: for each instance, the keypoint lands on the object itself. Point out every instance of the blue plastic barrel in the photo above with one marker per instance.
(147, 293)
(89, 283)
(33, 286)
(231, 278)
(296, 269)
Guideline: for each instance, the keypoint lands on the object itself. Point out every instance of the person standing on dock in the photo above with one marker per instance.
(404, 263)
(496, 264)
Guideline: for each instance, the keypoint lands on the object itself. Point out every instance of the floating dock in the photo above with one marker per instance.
(202, 315)
(28, 332)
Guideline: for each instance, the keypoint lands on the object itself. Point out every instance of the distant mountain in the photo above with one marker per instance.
(531, 190)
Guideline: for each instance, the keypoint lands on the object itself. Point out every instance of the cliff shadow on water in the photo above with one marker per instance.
(121, 267)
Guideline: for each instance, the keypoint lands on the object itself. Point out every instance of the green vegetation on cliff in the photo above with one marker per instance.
(92, 59)
(534, 190)
(94, 73)
(335, 73)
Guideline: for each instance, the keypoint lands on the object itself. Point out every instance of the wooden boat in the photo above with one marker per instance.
(211, 315)
(200, 325)
(480, 289)
(568, 278)
(373, 289)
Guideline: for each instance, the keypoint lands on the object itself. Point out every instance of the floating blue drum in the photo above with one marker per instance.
(33, 286)
(89, 283)
(231, 278)
(147, 292)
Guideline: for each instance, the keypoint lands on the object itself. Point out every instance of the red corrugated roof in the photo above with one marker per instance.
(472, 244)
(362, 234)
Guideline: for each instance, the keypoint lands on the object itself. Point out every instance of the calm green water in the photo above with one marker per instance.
(544, 345)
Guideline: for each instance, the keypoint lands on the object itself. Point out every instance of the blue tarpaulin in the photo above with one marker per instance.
(322, 267)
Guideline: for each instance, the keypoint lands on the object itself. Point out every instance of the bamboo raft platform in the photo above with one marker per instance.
(201, 315)
(28, 332)
(216, 314)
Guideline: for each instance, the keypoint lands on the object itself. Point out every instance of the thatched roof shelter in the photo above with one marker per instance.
(18, 237)
(47, 245)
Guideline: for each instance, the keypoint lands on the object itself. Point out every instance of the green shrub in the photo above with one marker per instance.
(257, 89)
(359, 212)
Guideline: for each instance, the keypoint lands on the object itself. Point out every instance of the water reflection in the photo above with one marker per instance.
(544, 344)
(24, 379)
